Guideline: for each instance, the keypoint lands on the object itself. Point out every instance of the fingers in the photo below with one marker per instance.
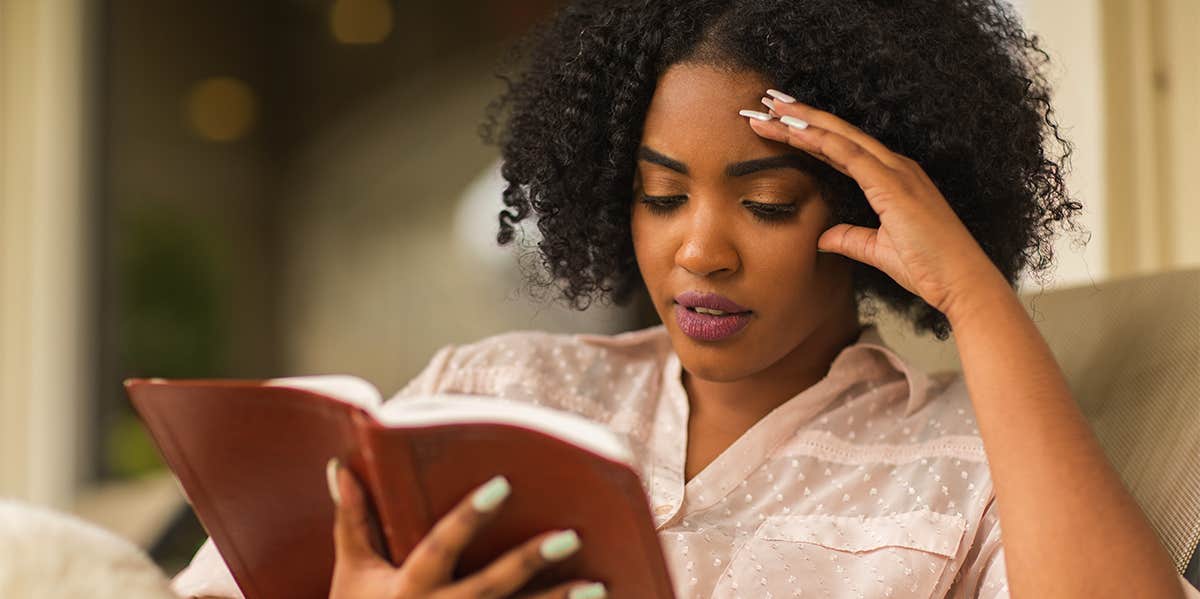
(858, 243)
(432, 561)
(577, 589)
(512, 570)
(841, 153)
(836, 142)
(352, 520)
(779, 103)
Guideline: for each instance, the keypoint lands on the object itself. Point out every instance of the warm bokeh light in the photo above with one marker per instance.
(221, 109)
(264, 189)
(361, 21)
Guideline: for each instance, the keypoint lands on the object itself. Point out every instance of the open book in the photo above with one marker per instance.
(251, 455)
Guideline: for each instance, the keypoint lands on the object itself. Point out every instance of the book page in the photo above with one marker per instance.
(347, 388)
(458, 409)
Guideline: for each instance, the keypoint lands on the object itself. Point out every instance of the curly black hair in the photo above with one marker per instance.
(956, 85)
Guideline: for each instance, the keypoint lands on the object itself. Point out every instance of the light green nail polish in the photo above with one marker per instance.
(491, 494)
(560, 545)
(594, 590)
(331, 468)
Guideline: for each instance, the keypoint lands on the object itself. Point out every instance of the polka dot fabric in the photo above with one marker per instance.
(872, 483)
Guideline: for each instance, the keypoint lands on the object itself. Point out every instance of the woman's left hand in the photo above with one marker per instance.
(921, 243)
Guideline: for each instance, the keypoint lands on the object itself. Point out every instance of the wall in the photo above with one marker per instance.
(1153, 88)
(379, 272)
(45, 330)
(1070, 33)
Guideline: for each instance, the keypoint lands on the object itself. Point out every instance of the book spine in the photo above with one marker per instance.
(390, 473)
(148, 404)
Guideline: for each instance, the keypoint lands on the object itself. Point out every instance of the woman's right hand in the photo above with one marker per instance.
(360, 572)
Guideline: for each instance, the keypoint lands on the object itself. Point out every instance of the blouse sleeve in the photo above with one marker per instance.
(208, 576)
(983, 576)
(1189, 591)
(430, 380)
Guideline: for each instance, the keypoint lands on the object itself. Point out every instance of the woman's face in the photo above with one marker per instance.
(736, 215)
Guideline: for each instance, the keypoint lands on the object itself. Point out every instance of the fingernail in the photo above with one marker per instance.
(821, 251)
(488, 496)
(768, 103)
(794, 122)
(782, 97)
(560, 545)
(754, 114)
(331, 468)
(594, 590)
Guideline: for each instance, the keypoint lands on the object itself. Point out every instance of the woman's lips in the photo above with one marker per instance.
(709, 327)
(712, 301)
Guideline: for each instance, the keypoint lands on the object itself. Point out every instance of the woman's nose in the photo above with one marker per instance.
(707, 247)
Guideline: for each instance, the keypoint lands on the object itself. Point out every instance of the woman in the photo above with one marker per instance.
(767, 170)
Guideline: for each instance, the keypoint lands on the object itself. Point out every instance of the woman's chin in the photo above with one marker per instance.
(719, 365)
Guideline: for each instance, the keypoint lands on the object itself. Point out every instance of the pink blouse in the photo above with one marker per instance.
(871, 483)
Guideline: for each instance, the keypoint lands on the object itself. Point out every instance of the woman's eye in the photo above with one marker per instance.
(662, 204)
(762, 211)
(771, 213)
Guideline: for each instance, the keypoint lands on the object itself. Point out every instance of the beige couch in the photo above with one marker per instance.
(1131, 351)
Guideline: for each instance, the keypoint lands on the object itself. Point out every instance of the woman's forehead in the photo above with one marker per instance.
(693, 117)
(702, 89)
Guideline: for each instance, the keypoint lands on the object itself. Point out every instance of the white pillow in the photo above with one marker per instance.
(50, 555)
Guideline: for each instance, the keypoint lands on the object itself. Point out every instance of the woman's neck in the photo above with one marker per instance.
(732, 407)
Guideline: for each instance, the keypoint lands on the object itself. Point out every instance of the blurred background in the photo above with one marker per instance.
(282, 187)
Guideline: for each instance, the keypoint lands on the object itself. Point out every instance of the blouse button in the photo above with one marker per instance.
(662, 510)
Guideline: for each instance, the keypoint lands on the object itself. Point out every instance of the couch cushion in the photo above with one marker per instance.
(1131, 351)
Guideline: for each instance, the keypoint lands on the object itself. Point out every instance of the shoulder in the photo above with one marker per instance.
(530, 349)
(948, 408)
(926, 451)
(949, 403)
(588, 374)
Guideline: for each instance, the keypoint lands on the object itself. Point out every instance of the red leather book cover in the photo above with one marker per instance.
(251, 460)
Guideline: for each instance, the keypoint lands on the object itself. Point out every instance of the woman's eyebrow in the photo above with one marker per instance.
(795, 161)
(737, 169)
(653, 157)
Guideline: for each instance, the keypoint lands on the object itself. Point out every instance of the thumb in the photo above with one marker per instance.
(351, 521)
(852, 241)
